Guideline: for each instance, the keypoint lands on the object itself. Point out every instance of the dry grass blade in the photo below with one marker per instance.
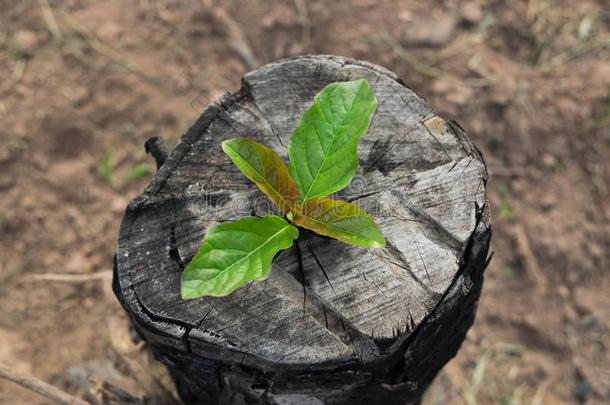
(40, 387)
(525, 250)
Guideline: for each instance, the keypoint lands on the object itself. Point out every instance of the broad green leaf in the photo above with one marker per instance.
(265, 168)
(235, 253)
(340, 220)
(323, 149)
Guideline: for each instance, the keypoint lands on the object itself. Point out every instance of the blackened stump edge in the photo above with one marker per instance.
(333, 323)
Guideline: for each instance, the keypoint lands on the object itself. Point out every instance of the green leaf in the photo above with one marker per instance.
(265, 168)
(340, 220)
(235, 253)
(323, 149)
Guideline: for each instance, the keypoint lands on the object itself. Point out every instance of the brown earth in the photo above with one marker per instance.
(85, 83)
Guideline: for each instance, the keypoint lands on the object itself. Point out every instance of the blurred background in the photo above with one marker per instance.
(83, 84)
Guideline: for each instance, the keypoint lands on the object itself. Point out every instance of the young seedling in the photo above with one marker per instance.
(323, 159)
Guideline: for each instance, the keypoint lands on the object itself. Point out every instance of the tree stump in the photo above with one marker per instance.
(333, 324)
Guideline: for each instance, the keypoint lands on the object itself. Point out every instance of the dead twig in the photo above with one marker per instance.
(460, 45)
(573, 53)
(40, 387)
(405, 55)
(49, 19)
(534, 271)
(424, 68)
(236, 37)
(304, 21)
(71, 278)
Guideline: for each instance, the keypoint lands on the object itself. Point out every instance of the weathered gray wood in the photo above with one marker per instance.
(333, 322)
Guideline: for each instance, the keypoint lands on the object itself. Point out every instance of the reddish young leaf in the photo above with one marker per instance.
(340, 220)
(265, 168)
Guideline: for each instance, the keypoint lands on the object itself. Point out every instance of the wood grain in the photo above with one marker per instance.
(327, 307)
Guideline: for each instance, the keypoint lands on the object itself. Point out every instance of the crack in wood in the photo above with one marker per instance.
(224, 117)
(174, 254)
(321, 268)
(361, 196)
(372, 166)
(455, 163)
(433, 229)
(155, 317)
(462, 172)
(423, 122)
(422, 259)
(393, 251)
(467, 147)
(323, 312)
(301, 271)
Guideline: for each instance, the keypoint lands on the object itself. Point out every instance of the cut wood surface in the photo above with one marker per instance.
(392, 315)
